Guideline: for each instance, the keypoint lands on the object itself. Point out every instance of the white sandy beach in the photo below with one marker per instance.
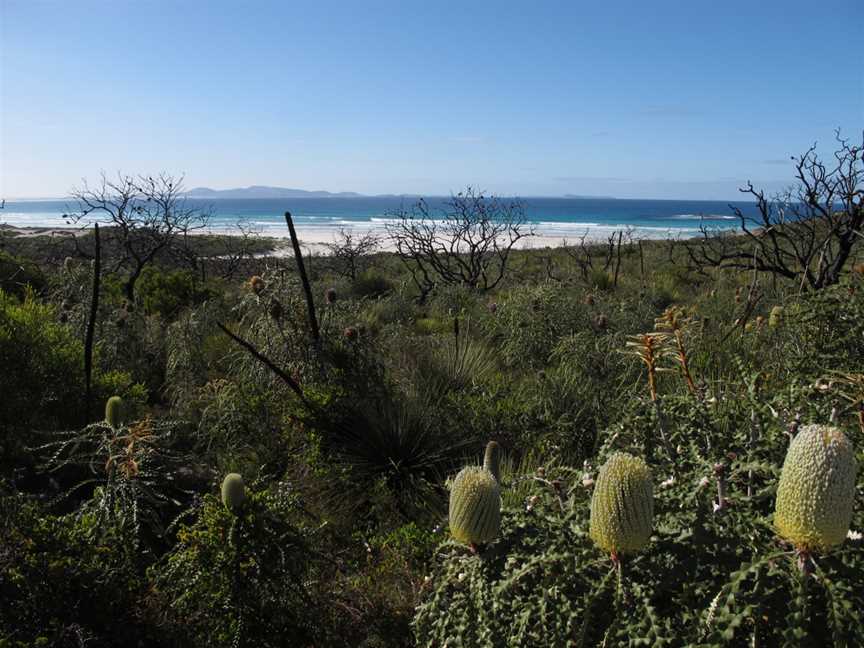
(314, 240)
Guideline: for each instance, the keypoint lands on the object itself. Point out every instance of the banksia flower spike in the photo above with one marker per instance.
(622, 506)
(350, 334)
(330, 296)
(233, 492)
(817, 489)
(475, 500)
(115, 412)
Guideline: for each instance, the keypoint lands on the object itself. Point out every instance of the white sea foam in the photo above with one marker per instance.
(704, 217)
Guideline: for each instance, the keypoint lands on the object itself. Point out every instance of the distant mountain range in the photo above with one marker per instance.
(258, 191)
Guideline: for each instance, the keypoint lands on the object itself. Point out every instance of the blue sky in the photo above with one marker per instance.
(632, 99)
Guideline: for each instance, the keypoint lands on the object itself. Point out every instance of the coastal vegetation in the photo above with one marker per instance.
(284, 450)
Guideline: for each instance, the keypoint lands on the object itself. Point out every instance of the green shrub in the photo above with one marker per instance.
(600, 280)
(60, 584)
(261, 589)
(371, 283)
(167, 292)
(18, 275)
(42, 373)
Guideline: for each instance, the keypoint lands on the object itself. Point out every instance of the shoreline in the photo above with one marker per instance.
(315, 239)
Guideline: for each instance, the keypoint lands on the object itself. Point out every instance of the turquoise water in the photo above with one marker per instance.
(564, 217)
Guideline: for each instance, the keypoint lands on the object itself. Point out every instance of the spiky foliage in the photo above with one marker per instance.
(233, 492)
(132, 474)
(115, 412)
(388, 446)
(475, 500)
(541, 583)
(817, 489)
(622, 508)
(456, 362)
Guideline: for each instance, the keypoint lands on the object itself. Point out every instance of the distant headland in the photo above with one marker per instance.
(261, 191)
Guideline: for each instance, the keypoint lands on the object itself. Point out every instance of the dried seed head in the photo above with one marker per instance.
(256, 284)
(601, 322)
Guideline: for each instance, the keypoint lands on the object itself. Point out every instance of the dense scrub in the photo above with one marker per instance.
(111, 534)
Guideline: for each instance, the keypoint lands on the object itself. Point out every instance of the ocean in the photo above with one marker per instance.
(552, 217)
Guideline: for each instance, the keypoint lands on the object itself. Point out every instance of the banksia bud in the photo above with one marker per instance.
(492, 459)
(622, 507)
(589, 299)
(257, 285)
(493, 307)
(69, 265)
(233, 492)
(817, 489)
(475, 501)
(775, 319)
(330, 296)
(115, 412)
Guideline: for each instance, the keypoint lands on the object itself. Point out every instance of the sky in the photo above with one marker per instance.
(635, 99)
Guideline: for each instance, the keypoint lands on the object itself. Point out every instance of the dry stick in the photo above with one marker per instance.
(310, 303)
(267, 363)
(720, 473)
(91, 324)
(618, 260)
(641, 264)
